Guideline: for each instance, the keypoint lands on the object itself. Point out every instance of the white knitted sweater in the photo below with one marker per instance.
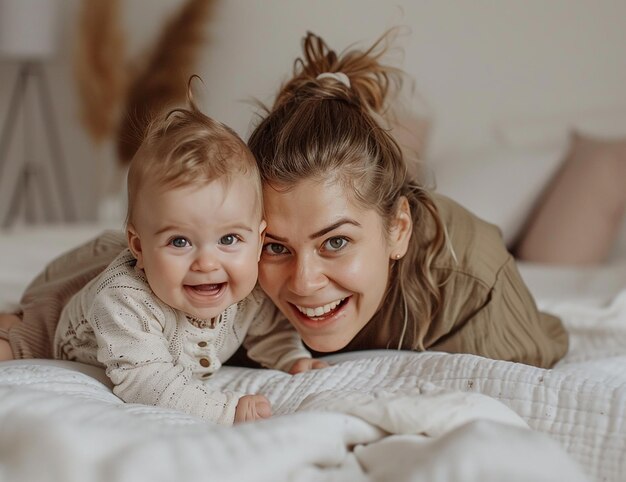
(157, 355)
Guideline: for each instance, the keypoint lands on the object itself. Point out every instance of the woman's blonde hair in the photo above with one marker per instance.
(185, 147)
(329, 128)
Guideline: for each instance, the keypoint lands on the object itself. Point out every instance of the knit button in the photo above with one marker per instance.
(202, 344)
(205, 363)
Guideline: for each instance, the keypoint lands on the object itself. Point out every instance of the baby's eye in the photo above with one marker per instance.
(274, 249)
(335, 244)
(180, 242)
(229, 240)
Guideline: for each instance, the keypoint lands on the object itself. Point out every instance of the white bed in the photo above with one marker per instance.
(370, 416)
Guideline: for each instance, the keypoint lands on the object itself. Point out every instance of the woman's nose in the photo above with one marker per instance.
(307, 276)
(205, 260)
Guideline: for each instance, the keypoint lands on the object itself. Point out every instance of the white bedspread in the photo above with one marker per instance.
(373, 419)
(372, 416)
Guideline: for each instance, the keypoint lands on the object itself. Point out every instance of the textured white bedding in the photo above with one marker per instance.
(357, 420)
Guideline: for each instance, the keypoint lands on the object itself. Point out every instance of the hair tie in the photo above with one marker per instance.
(338, 76)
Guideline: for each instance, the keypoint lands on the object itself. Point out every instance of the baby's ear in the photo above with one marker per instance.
(134, 243)
(401, 229)
(262, 228)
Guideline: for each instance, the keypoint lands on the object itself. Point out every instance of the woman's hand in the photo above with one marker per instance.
(252, 407)
(306, 364)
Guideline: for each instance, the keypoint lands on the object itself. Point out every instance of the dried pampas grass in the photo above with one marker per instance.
(99, 67)
(162, 81)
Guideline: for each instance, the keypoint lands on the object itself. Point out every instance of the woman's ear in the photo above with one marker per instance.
(134, 243)
(401, 230)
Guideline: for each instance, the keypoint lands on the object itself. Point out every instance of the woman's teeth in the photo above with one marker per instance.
(320, 310)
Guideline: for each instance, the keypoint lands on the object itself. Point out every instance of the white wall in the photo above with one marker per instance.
(474, 62)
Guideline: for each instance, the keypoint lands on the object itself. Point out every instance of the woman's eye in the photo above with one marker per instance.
(274, 249)
(335, 244)
(229, 240)
(180, 242)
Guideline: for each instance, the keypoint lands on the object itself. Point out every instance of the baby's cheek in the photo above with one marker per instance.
(244, 276)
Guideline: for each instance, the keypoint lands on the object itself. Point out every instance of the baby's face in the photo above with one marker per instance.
(199, 246)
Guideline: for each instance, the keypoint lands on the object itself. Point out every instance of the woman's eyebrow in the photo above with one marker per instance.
(319, 233)
(277, 238)
(333, 226)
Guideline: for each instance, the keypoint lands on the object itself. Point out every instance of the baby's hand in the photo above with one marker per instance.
(305, 364)
(252, 407)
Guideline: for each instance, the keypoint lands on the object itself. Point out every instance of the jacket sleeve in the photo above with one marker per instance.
(271, 340)
(501, 322)
(487, 308)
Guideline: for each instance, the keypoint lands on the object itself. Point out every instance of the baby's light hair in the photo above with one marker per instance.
(186, 148)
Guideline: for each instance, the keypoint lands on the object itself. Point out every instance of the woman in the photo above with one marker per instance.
(357, 254)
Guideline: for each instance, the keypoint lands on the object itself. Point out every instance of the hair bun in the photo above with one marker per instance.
(338, 76)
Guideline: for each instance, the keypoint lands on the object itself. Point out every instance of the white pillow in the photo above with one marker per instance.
(498, 184)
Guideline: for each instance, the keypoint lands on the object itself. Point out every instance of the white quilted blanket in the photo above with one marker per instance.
(373, 419)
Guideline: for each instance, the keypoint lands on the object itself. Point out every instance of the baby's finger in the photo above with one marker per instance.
(263, 410)
(319, 364)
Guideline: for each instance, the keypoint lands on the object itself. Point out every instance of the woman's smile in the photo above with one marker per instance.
(319, 311)
(318, 325)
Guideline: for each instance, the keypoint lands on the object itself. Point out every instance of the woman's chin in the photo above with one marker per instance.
(324, 344)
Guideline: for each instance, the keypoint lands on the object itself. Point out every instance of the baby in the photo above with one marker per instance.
(170, 309)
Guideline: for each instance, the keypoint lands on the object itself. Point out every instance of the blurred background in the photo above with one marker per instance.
(486, 72)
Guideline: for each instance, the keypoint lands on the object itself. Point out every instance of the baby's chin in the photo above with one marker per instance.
(198, 313)
(204, 314)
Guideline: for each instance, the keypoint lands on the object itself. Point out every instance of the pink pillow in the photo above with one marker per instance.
(577, 218)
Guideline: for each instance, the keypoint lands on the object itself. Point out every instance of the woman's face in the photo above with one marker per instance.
(325, 262)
